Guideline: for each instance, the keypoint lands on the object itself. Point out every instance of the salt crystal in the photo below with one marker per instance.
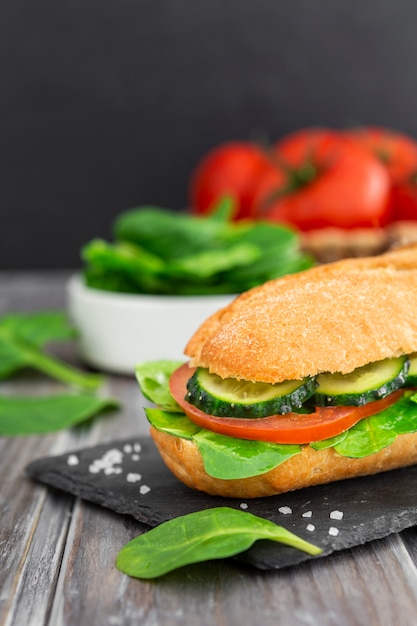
(133, 478)
(285, 510)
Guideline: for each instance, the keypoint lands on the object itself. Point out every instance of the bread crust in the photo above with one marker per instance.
(310, 467)
(331, 318)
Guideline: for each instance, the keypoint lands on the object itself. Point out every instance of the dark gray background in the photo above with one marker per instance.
(108, 104)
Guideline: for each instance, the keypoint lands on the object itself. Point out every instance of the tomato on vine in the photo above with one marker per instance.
(321, 178)
(230, 169)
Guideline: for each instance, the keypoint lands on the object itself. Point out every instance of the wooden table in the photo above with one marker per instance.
(58, 552)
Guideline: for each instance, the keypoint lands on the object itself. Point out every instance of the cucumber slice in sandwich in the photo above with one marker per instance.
(412, 372)
(365, 384)
(228, 397)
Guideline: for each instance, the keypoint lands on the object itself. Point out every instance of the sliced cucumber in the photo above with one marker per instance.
(365, 384)
(412, 372)
(228, 397)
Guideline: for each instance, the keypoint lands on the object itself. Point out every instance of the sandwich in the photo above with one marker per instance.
(306, 379)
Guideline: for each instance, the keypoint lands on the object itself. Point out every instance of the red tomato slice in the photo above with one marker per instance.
(290, 428)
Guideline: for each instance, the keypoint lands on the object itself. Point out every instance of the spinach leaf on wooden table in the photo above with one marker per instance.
(214, 533)
(37, 415)
(23, 337)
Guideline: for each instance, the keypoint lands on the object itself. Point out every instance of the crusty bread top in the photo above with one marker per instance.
(331, 318)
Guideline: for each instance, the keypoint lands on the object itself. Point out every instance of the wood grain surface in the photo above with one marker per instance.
(57, 553)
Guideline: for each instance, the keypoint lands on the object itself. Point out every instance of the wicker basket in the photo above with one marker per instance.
(331, 244)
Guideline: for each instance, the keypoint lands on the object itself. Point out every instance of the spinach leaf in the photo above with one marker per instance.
(224, 457)
(38, 328)
(181, 426)
(167, 234)
(228, 458)
(203, 265)
(22, 339)
(328, 443)
(365, 438)
(123, 267)
(37, 415)
(376, 432)
(224, 210)
(379, 431)
(153, 378)
(160, 251)
(215, 533)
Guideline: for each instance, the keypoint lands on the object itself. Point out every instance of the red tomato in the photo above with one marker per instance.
(289, 428)
(230, 169)
(403, 201)
(396, 151)
(322, 178)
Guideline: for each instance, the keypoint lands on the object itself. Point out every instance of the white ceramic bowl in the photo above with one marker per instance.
(118, 331)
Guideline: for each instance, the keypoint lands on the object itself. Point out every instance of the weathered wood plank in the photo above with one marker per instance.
(58, 553)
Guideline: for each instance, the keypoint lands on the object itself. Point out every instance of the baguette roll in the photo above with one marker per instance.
(331, 318)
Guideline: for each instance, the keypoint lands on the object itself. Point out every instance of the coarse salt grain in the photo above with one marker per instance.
(285, 510)
(132, 477)
(107, 462)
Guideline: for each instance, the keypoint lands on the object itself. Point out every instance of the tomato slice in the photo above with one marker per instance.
(300, 428)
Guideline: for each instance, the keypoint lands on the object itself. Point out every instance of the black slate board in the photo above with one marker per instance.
(129, 477)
